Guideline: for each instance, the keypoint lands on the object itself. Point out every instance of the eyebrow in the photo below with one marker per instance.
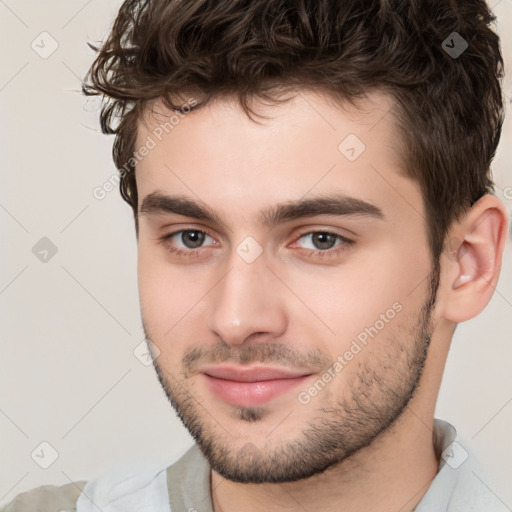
(157, 203)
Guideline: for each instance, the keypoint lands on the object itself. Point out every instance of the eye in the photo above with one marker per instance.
(324, 243)
(320, 240)
(185, 241)
(190, 242)
(191, 238)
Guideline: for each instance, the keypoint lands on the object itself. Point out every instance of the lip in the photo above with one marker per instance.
(253, 386)
(250, 374)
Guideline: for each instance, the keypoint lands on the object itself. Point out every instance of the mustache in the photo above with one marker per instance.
(278, 353)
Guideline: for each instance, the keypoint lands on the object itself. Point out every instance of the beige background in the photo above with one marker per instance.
(69, 327)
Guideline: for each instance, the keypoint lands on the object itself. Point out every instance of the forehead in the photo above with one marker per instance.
(310, 143)
(305, 112)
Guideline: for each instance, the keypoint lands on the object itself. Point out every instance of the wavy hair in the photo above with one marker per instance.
(449, 108)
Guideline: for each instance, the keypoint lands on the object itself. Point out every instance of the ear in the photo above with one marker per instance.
(472, 259)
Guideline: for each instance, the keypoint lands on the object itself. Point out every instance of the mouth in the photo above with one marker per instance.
(252, 386)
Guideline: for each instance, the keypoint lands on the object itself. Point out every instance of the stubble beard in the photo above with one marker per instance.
(378, 394)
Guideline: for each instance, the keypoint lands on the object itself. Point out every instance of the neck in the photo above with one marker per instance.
(393, 473)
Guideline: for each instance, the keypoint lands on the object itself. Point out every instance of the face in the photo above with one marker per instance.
(285, 280)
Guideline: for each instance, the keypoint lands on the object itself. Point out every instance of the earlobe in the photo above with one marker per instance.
(474, 264)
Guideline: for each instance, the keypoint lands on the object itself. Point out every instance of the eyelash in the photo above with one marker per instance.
(327, 253)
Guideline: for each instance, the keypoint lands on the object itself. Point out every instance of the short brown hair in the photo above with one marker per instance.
(449, 107)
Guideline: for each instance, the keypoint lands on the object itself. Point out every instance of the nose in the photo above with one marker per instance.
(248, 302)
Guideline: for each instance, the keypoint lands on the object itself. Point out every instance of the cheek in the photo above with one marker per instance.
(164, 292)
(166, 303)
(378, 281)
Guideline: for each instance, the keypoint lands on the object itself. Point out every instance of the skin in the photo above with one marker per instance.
(296, 309)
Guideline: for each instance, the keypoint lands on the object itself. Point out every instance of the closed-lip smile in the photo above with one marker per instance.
(250, 386)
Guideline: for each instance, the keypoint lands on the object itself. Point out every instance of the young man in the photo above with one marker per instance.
(311, 189)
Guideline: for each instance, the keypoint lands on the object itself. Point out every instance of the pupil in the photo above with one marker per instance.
(323, 240)
(192, 239)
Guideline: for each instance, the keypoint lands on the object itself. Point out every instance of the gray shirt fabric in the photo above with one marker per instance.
(460, 485)
(46, 498)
